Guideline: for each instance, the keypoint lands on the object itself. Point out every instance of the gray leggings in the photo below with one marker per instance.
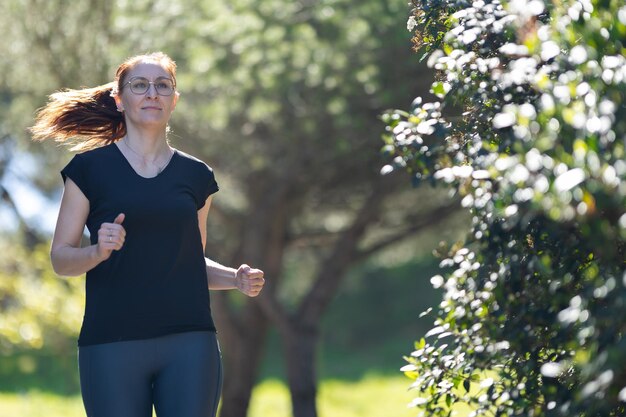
(181, 374)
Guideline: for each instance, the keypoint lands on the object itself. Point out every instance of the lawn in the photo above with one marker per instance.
(372, 396)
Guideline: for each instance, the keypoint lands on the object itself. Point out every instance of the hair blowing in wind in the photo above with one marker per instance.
(88, 118)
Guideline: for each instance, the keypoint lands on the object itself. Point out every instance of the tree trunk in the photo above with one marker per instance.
(242, 353)
(300, 342)
(244, 334)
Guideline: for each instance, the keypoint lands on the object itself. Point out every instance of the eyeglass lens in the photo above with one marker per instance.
(163, 86)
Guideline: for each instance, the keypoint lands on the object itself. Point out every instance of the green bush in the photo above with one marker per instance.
(38, 309)
(536, 298)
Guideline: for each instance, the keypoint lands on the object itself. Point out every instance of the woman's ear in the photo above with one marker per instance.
(118, 102)
(176, 96)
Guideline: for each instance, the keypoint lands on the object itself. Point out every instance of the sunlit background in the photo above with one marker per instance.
(283, 99)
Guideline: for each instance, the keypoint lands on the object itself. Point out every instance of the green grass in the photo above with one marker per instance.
(372, 396)
(36, 403)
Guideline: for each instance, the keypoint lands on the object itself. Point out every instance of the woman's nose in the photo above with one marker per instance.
(152, 92)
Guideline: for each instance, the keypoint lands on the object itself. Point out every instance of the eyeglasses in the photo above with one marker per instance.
(163, 86)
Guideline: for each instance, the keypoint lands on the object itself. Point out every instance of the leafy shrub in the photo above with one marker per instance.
(534, 303)
(38, 309)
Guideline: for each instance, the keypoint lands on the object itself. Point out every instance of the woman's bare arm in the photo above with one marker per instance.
(68, 258)
(248, 280)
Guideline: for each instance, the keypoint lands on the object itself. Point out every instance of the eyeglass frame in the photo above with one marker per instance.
(149, 84)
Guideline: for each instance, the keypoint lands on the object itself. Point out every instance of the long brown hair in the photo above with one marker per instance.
(88, 118)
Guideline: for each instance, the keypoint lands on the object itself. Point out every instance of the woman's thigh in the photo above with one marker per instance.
(189, 378)
(116, 379)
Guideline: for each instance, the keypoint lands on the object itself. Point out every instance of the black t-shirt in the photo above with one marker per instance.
(156, 284)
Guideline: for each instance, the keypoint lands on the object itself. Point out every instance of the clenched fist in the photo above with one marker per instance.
(111, 237)
(249, 281)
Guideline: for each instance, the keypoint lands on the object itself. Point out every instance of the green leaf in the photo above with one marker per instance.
(466, 385)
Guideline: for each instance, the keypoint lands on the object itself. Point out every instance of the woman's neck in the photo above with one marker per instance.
(151, 145)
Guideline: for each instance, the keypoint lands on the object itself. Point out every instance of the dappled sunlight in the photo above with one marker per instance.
(372, 396)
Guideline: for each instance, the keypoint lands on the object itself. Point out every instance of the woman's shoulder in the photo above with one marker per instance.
(193, 161)
(96, 153)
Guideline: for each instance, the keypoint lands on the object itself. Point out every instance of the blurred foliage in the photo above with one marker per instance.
(279, 97)
(538, 292)
(42, 369)
(266, 86)
(401, 292)
(36, 305)
(351, 335)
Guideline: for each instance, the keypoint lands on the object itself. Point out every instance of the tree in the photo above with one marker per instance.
(281, 99)
(532, 318)
(326, 112)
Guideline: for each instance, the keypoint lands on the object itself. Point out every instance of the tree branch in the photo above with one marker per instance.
(342, 256)
(273, 309)
(434, 217)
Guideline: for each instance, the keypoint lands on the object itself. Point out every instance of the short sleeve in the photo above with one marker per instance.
(75, 169)
(208, 186)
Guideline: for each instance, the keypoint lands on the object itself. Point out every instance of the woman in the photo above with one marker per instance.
(147, 335)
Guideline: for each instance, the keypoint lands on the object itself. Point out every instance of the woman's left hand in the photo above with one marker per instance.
(249, 281)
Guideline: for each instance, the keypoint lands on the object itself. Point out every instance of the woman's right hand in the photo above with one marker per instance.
(111, 237)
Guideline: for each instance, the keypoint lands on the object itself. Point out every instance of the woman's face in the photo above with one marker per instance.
(150, 108)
